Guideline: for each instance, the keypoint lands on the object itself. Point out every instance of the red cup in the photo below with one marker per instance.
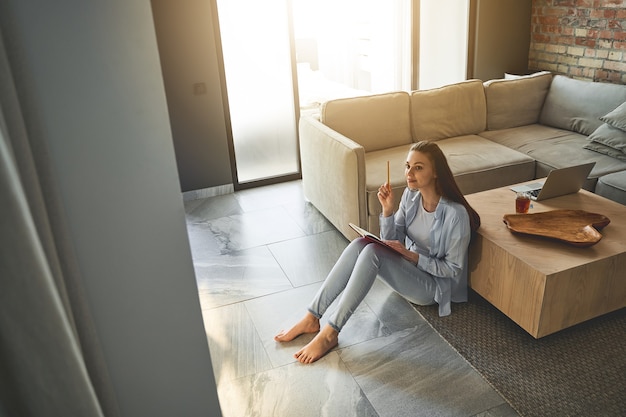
(522, 203)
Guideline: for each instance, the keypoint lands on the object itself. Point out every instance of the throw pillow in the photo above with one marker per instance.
(608, 140)
(603, 149)
(617, 117)
(610, 136)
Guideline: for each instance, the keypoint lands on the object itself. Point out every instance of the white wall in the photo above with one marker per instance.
(90, 82)
(502, 38)
(188, 51)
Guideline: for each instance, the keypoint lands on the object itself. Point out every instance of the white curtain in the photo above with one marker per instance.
(50, 361)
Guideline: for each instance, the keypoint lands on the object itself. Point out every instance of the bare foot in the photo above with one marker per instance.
(321, 344)
(308, 324)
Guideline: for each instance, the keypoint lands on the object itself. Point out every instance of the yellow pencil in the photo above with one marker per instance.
(388, 173)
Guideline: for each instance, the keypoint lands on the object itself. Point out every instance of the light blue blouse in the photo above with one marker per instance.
(447, 259)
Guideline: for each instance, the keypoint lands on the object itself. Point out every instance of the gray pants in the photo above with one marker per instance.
(354, 274)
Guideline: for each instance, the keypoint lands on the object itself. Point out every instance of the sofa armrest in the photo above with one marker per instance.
(333, 174)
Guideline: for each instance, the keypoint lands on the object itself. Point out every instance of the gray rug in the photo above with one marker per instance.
(579, 371)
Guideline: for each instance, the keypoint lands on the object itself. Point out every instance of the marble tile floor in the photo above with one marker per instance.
(259, 256)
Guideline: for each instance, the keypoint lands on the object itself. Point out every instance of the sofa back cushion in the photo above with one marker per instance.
(375, 122)
(449, 111)
(577, 105)
(516, 101)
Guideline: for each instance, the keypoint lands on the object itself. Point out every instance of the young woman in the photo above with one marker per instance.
(431, 229)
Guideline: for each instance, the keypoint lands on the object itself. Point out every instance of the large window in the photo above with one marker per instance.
(351, 47)
(339, 48)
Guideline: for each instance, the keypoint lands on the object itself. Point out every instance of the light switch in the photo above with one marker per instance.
(199, 88)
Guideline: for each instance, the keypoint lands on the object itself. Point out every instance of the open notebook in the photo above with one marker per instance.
(560, 182)
(371, 237)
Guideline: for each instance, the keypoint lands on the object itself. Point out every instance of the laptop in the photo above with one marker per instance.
(560, 182)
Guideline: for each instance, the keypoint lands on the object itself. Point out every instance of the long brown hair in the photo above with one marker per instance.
(445, 182)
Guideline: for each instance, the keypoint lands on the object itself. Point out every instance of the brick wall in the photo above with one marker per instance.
(583, 39)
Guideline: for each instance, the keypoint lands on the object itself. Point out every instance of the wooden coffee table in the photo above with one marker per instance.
(545, 285)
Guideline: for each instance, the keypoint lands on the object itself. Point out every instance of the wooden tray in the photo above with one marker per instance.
(576, 227)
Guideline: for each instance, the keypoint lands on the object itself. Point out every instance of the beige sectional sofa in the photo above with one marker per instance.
(494, 134)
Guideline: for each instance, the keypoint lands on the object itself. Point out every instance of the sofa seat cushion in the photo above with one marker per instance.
(375, 122)
(477, 163)
(453, 110)
(613, 187)
(577, 105)
(518, 137)
(516, 102)
(567, 150)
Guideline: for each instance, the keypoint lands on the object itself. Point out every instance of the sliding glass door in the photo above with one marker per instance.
(256, 46)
